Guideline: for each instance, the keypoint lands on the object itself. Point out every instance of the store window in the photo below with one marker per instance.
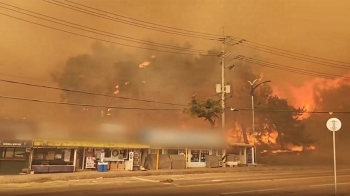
(13, 153)
(173, 151)
(195, 155)
(204, 153)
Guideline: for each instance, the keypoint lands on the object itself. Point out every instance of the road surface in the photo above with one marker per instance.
(260, 183)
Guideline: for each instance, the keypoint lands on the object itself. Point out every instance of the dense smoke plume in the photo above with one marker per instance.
(108, 70)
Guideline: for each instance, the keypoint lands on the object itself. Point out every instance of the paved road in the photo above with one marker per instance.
(260, 183)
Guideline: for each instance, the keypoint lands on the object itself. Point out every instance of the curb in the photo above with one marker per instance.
(40, 178)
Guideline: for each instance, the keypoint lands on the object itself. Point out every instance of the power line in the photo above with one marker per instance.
(290, 69)
(128, 22)
(103, 32)
(255, 44)
(89, 93)
(85, 105)
(252, 44)
(77, 34)
(296, 57)
(219, 36)
(293, 111)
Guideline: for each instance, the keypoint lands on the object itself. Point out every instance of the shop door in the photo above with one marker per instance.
(80, 158)
(249, 155)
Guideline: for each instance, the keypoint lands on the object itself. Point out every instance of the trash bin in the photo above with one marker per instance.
(100, 167)
(105, 166)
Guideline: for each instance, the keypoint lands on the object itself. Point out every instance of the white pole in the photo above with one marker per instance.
(75, 159)
(335, 161)
(83, 166)
(253, 111)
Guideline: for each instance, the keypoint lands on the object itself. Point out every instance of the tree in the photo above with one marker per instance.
(207, 109)
(278, 116)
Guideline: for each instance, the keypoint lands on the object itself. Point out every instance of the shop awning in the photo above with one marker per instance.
(51, 143)
(239, 144)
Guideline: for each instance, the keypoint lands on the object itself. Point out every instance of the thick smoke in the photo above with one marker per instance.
(161, 77)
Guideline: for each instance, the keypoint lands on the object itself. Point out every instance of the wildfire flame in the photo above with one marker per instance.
(304, 96)
(144, 64)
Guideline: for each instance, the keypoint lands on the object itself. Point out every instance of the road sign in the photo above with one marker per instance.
(333, 124)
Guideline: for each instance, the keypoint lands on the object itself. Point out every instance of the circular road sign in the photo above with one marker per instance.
(333, 124)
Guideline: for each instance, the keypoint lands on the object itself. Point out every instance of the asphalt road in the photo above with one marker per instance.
(260, 183)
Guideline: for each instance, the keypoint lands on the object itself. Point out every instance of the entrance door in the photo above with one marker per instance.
(80, 157)
(250, 156)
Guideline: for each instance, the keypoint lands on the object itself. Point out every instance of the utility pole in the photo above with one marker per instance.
(221, 88)
(223, 80)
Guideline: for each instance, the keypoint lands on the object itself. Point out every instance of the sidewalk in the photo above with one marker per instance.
(114, 174)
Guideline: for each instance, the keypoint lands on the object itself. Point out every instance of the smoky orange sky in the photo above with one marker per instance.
(30, 53)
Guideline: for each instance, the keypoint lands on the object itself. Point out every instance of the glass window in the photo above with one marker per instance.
(173, 151)
(195, 155)
(10, 153)
(204, 153)
(19, 152)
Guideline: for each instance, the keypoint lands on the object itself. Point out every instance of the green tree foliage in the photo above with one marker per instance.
(207, 109)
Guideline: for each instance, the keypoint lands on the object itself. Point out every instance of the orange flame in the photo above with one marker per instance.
(305, 95)
(144, 64)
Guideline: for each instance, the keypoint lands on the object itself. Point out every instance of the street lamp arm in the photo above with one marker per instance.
(260, 84)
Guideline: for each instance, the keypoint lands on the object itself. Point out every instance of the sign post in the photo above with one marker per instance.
(334, 125)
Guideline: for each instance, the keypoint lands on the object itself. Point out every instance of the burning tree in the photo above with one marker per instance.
(207, 109)
(280, 117)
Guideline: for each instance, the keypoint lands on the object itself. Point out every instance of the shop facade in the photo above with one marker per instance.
(15, 156)
(70, 156)
(196, 157)
(242, 153)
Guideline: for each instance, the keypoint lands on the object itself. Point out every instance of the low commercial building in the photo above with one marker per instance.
(14, 156)
(69, 156)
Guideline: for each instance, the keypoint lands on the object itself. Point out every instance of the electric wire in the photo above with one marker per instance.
(129, 18)
(89, 93)
(291, 69)
(85, 105)
(293, 111)
(298, 58)
(103, 40)
(265, 48)
(109, 34)
(253, 44)
(127, 22)
(297, 53)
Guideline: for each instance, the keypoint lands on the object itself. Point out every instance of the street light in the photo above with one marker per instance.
(252, 88)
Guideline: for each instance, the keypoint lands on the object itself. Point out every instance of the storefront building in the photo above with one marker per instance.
(242, 153)
(196, 157)
(70, 156)
(198, 148)
(14, 156)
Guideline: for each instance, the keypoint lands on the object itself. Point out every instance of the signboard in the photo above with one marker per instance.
(333, 124)
(129, 165)
(90, 163)
(249, 155)
(15, 143)
(137, 158)
(66, 156)
(57, 143)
